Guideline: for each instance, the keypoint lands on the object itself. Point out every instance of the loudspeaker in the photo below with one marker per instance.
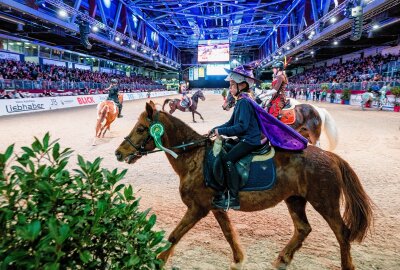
(84, 31)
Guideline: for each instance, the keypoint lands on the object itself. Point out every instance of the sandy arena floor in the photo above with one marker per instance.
(369, 141)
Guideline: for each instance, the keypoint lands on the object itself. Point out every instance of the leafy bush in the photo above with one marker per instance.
(346, 94)
(224, 93)
(55, 218)
(396, 92)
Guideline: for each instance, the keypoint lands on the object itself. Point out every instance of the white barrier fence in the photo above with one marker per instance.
(29, 105)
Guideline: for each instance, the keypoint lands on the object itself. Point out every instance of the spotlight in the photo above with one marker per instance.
(117, 38)
(375, 26)
(95, 28)
(287, 48)
(144, 51)
(298, 41)
(333, 20)
(312, 32)
(40, 3)
(312, 52)
(297, 59)
(133, 46)
(335, 42)
(62, 13)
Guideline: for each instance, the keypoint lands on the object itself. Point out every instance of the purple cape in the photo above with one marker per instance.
(278, 133)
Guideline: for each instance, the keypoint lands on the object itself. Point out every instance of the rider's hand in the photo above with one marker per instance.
(212, 132)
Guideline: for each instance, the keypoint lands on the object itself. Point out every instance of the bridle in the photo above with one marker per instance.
(155, 124)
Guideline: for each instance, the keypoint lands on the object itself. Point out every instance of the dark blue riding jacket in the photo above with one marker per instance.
(243, 124)
(113, 94)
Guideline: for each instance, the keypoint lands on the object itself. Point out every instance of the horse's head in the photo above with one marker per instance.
(139, 141)
(229, 102)
(200, 95)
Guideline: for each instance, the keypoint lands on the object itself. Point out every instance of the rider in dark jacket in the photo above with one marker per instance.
(242, 124)
(113, 95)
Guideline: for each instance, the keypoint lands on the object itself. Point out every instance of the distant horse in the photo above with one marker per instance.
(107, 111)
(368, 98)
(313, 175)
(308, 120)
(176, 104)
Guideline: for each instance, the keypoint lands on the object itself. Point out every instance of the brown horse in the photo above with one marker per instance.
(309, 121)
(107, 111)
(313, 175)
(176, 104)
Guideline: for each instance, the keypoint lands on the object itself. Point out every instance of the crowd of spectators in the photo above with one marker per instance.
(368, 69)
(18, 70)
(51, 80)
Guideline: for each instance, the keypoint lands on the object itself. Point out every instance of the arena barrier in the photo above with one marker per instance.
(30, 105)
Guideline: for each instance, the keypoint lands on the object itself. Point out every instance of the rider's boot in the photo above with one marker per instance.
(119, 111)
(231, 198)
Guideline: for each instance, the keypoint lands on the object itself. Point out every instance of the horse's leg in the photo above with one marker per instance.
(199, 115)
(194, 121)
(231, 236)
(297, 210)
(106, 126)
(191, 217)
(330, 211)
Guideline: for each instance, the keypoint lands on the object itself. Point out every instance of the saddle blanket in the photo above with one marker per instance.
(257, 171)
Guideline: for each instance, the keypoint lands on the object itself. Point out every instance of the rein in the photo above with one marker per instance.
(142, 151)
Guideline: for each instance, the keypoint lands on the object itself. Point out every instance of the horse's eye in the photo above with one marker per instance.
(140, 130)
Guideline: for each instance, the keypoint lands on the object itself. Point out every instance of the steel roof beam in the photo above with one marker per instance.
(291, 8)
(174, 12)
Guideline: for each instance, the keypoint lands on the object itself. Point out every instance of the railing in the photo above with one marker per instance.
(60, 85)
(360, 86)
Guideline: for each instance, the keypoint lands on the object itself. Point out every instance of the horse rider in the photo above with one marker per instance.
(113, 95)
(185, 99)
(242, 124)
(279, 84)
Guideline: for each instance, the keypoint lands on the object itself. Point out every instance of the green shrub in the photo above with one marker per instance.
(224, 93)
(396, 92)
(55, 218)
(346, 94)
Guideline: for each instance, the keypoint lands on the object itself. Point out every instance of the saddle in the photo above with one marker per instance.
(256, 170)
(186, 103)
(288, 115)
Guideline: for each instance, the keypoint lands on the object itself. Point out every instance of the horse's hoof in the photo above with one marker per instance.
(279, 264)
(237, 266)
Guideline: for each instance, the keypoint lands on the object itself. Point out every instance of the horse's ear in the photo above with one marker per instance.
(150, 109)
(152, 104)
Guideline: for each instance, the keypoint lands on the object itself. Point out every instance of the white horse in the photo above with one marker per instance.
(370, 97)
(327, 122)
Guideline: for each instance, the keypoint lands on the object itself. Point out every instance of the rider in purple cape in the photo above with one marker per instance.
(248, 122)
(279, 134)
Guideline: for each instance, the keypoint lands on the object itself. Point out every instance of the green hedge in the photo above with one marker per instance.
(55, 218)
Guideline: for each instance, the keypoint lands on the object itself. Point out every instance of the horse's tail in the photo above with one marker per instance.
(101, 115)
(358, 214)
(329, 125)
(165, 102)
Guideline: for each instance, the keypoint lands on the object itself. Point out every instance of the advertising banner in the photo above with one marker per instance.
(190, 74)
(10, 56)
(29, 105)
(201, 72)
(196, 74)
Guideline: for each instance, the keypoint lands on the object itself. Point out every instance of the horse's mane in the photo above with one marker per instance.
(180, 127)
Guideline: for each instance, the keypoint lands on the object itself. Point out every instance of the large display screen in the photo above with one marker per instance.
(218, 69)
(213, 52)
